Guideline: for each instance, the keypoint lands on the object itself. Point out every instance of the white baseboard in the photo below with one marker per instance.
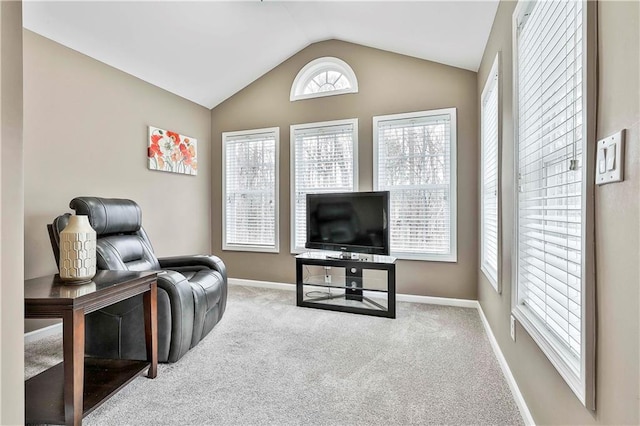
(41, 333)
(430, 300)
(511, 381)
(261, 284)
(444, 301)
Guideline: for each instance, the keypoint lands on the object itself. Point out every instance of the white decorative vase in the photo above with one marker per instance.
(77, 250)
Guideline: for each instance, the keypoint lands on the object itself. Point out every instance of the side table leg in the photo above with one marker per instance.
(73, 352)
(151, 328)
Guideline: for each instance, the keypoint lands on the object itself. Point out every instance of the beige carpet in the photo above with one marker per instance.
(270, 362)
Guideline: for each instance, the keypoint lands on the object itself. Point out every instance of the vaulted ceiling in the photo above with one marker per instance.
(208, 50)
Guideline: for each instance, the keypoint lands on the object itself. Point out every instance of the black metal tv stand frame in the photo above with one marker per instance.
(354, 285)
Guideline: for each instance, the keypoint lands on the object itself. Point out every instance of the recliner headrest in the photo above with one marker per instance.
(109, 215)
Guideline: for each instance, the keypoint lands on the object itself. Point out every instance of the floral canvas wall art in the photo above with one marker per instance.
(172, 152)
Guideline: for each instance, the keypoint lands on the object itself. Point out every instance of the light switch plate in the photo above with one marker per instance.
(610, 159)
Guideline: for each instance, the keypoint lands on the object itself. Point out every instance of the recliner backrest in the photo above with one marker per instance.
(54, 228)
(122, 243)
(109, 215)
(125, 252)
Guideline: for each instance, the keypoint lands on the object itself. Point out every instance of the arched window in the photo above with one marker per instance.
(324, 77)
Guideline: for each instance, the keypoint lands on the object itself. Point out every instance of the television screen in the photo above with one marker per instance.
(350, 221)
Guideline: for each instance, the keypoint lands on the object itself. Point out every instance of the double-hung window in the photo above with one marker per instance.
(490, 132)
(324, 160)
(250, 190)
(553, 297)
(415, 160)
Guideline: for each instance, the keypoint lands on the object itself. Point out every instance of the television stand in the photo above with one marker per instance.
(362, 286)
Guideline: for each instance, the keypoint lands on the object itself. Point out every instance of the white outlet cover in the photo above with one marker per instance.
(610, 159)
(512, 324)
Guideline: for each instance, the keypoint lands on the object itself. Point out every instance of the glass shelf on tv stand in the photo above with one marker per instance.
(337, 255)
(372, 284)
(365, 285)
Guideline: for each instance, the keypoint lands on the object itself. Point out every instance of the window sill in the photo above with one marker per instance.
(491, 278)
(322, 94)
(258, 249)
(564, 363)
(449, 258)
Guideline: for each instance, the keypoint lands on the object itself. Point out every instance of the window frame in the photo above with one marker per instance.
(292, 141)
(583, 386)
(311, 69)
(492, 83)
(252, 248)
(452, 256)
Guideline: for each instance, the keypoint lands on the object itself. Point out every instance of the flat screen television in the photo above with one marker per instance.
(355, 222)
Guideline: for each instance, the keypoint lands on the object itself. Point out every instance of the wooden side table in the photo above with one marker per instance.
(67, 392)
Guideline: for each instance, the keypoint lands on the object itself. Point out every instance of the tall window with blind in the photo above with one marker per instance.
(490, 132)
(250, 190)
(415, 160)
(553, 297)
(324, 160)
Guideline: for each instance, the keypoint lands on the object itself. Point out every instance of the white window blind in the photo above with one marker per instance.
(250, 190)
(489, 174)
(324, 161)
(414, 159)
(551, 189)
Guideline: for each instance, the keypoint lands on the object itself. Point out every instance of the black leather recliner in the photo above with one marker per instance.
(192, 290)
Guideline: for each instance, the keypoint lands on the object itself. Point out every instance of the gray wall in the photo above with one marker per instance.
(617, 237)
(388, 83)
(85, 133)
(11, 214)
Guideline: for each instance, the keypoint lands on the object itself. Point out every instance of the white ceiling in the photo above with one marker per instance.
(206, 51)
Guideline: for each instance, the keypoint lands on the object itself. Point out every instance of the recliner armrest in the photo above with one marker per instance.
(194, 262)
(182, 311)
